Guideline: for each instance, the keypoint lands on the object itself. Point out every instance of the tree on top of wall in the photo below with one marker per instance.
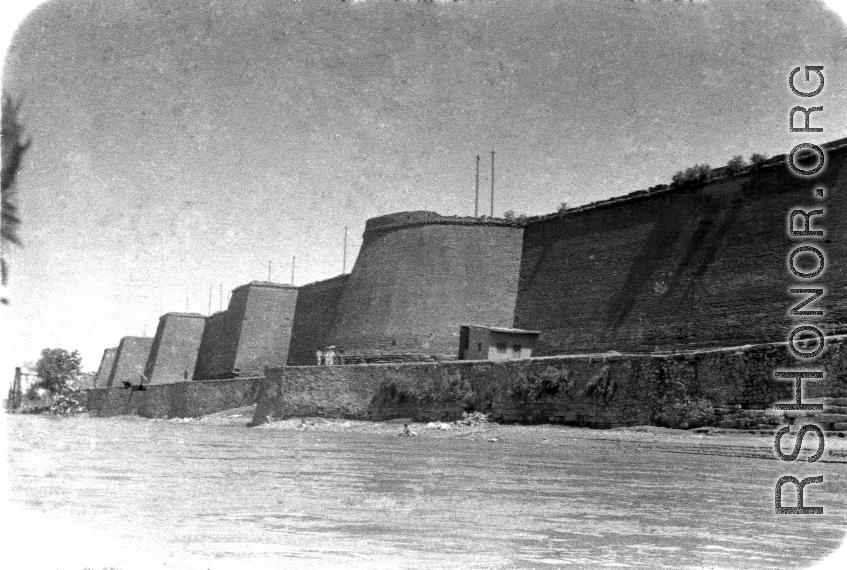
(513, 217)
(736, 164)
(757, 159)
(692, 174)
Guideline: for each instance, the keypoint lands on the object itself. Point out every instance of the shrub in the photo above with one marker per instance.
(545, 384)
(736, 164)
(757, 159)
(692, 174)
(509, 214)
(563, 207)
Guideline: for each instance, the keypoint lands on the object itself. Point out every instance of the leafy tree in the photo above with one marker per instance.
(757, 159)
(509, 214)
(736, 164)
(13, 151)
(563, 207)
(696, 173)
(58, 370)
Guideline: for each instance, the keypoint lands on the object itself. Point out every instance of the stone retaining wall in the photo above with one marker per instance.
(675, 390)
(179, 400)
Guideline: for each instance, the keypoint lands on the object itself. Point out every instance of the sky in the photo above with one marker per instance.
(179, 147)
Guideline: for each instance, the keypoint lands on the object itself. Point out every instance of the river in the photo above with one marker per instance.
(132, 493)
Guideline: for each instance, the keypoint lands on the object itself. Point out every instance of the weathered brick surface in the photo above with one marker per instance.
(130, 360)
(314, 317)
(173, 354)
(254, 332)
(676, 390)
(419, 276)
(220, 342)
(104, 371)
(683, 268)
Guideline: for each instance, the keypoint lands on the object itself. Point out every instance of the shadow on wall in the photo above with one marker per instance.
(684, 268)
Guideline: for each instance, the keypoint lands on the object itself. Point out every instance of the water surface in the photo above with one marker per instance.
(134, 493)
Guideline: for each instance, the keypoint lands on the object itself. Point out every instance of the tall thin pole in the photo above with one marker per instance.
(293, 260)
(492, 183)
(269, 270)
(210, 300)
(221, 297)
(476, 191)
(344, 263)
(186, 304)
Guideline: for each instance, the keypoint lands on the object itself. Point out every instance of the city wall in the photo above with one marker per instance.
(104, 371)
(419, 276)
(695, 267)
(669, 269)
(253, 332)
(130, 359)
(173, 354)
(314, 317)
(679, 390)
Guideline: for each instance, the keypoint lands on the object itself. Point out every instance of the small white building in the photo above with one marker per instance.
(495, 343)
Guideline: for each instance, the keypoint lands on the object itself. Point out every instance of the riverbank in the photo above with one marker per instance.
(707, 441)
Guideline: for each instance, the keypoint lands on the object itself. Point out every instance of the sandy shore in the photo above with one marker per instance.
(708, 441)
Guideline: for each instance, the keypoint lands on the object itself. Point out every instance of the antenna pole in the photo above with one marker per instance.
(221, 298)
(269, 270)
(210, 300)
(293, 260)
(476, 191)
(344, 262)
(492, 183)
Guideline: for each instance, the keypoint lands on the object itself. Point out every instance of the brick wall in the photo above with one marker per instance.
(609, 390)
(216, 356)
(173, 354)
(130, 360)
(695, 267)
(254, 332)
(314, 316)
(265, 328)
(101, 379)
(419, 276)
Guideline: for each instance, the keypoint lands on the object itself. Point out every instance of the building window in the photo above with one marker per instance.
(501, 347)
(516, 348)
(479, 346)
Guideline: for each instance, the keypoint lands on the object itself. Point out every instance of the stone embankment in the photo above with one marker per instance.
(733, 387)
(729, 388)
(179, 400)
(833, 417)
